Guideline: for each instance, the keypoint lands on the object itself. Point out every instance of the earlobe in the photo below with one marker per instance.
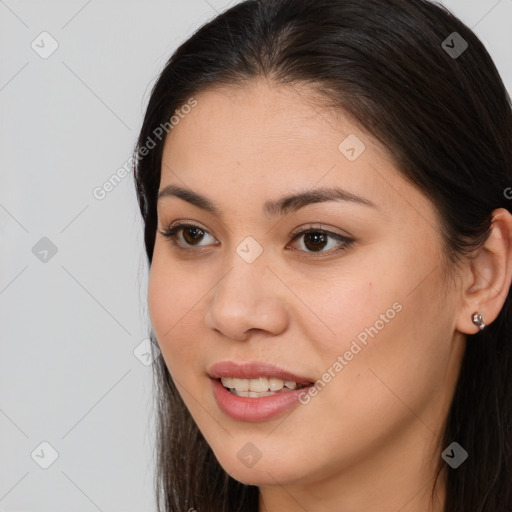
(488, 277)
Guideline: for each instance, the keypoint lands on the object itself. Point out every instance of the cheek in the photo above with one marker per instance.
(160, 300)
(169, 292)
(173, 298)
(390, 322)
(401, 361)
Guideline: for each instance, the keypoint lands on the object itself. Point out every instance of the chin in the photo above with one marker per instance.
(262, 473)
(259, 477)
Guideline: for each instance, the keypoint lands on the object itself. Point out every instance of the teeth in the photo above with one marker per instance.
(257, 385)
(275, 384)
(260, 385)
(252, 394)
(241, 384)
(228, 382)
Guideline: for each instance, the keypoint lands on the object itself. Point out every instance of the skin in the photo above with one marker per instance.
(370, 439)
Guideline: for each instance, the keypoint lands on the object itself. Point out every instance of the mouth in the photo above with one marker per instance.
(260, 386)
(255, 391)
(256, 379)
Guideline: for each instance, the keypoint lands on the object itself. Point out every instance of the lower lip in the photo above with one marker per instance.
(254, 409)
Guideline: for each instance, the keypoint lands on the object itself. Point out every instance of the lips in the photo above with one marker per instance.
(254, 370)
(255, 408)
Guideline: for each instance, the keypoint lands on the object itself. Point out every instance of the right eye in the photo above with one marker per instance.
(191, 234)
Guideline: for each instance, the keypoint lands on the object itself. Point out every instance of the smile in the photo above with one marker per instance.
(259, 387)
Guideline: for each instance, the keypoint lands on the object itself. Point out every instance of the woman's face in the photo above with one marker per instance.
(369, 316)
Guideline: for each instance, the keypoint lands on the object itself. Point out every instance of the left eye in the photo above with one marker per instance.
(315, 240)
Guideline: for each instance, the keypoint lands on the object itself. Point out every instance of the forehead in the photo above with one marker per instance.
(260, 117)
(261, 140)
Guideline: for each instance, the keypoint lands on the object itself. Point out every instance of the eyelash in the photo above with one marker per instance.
(172, 234)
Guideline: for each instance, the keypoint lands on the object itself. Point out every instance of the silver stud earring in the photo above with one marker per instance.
(478, 320)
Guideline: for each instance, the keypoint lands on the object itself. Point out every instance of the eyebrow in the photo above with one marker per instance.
(271, 208)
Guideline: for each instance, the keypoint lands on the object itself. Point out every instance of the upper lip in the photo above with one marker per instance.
(253, 370)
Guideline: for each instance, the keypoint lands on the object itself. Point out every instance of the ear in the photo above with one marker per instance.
(488, 275)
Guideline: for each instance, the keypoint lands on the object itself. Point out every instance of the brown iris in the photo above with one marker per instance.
(317, 240)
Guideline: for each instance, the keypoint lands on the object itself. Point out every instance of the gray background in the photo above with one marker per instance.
(71, 321)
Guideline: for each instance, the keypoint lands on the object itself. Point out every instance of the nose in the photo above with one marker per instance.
(249, 297)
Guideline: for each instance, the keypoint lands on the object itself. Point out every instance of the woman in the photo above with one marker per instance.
(328, 231)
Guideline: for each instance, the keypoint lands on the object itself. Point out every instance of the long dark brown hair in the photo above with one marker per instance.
(447, 122)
